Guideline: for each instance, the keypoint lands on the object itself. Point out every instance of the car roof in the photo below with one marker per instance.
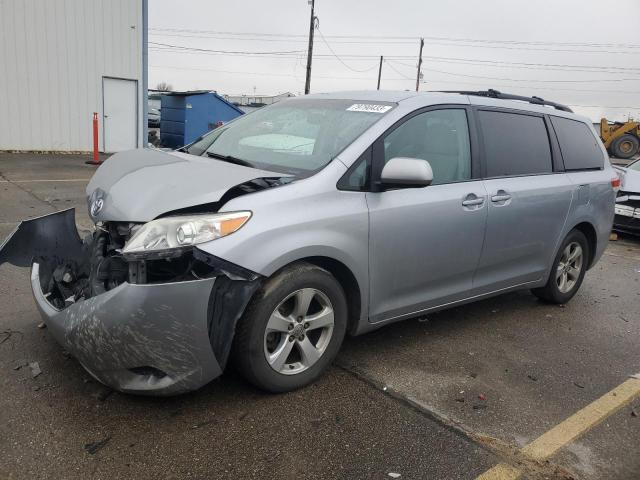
(434, 97)
(394, 96)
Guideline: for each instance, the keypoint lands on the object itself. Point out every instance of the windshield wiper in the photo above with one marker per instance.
(231, 159)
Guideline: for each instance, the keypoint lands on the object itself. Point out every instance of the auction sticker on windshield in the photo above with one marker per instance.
(368, 107)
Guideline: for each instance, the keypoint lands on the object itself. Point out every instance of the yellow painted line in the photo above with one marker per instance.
(502, 471)
(582, 421)
(566, 432)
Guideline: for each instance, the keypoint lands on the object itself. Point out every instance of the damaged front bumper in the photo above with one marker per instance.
(627, 213)
(155, 338)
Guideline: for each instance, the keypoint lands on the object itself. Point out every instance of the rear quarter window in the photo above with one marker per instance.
(579, 147)
(515, 144)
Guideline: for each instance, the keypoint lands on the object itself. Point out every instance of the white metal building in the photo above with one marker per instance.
(62, 60)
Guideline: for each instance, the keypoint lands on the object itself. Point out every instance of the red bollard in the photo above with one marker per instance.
(96, 155)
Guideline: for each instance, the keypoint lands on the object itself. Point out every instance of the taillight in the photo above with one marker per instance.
(615, 183)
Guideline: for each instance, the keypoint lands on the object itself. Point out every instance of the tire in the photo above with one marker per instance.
(555, 291)
(625, 146)
(277, 307)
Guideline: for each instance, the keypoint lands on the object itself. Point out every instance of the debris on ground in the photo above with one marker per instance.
(20, 364)
(42, 325)
(532, 377)
(613, 237)
(579, 385)
(7, 334)
(460, 399)
(394, 475)
(473, 375)
(92, 448)
(482, 397)
(479, 407)
(634, 412)
(35, 369)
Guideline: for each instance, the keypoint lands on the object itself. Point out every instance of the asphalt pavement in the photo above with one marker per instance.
(449, 395)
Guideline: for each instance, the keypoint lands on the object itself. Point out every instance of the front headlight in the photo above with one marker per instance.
(177, 232)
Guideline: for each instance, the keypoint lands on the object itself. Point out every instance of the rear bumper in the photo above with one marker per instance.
(144, 339)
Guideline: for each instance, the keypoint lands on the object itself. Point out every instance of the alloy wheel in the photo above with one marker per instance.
(569, 267)
(298, 331)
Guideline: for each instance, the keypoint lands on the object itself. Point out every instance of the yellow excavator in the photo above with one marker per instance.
(621, 139)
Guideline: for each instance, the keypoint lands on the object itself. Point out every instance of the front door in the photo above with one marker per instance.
(528, 202)
(425, 243)
(120, 114)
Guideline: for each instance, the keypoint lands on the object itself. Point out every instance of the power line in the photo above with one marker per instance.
(495, 63)
(518, 79)
(390, 65)
(397, 42)
(413, 37)
(229, 52)
(339, 59)
(534, 87)
(402, 77)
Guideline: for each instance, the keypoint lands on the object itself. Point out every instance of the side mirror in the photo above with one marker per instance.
(406, 172)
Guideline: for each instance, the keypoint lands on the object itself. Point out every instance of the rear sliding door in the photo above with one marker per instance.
(528, 199)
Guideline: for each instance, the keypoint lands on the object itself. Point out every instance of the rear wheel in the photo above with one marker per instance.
(625, 146)
(292, 330)
(568, 270)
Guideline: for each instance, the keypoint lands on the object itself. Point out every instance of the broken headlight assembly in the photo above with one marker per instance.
(170, 236)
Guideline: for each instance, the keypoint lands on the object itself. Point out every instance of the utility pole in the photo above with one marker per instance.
(307, 84)
(419, 64)
(380, 71)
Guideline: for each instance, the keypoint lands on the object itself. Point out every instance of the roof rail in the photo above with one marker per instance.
(491, 93)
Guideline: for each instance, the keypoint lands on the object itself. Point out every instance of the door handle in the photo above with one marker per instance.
(475, 201)
(501, 196)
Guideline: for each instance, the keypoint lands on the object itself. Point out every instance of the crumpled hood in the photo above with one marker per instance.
(139, 185)
(630, 179)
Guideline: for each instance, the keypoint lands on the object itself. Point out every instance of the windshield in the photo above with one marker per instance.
(298, 137)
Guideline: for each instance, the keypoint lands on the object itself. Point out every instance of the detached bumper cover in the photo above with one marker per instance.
(138, 338)
(155, 339)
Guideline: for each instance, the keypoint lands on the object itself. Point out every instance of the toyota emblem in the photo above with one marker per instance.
(96, 206)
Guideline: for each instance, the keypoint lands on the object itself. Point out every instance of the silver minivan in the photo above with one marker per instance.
(270, 238)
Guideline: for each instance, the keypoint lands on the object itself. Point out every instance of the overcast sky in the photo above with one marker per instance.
(582, 53)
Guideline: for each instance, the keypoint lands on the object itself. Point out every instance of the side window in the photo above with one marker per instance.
(439, 136)
(357, 179)
(515, 144)
(578, 145)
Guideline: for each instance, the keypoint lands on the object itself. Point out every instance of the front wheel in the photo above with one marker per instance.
(625, 146)
(568, 270)
(292, 330)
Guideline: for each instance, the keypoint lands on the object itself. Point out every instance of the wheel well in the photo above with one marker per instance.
(590, 232)
(347, 281)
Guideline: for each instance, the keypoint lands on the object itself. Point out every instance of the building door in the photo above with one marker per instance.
(120, 114)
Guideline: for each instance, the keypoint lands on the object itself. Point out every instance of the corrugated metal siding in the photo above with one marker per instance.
(53, 55)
